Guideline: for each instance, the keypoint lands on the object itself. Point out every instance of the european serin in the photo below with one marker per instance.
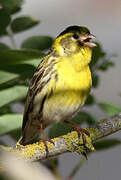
(60, 85)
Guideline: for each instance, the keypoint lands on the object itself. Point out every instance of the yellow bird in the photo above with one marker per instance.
(60, 85)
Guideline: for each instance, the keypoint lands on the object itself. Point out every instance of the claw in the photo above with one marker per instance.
(79, 130)
(45, 143)
(44, 140)
(85, 155)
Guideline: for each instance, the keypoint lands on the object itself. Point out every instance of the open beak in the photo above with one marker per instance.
(85, 40)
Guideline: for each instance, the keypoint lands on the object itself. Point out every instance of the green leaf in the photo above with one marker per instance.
(105, 65)
(12, 94)
(106, 144)
(110, 109)
(95, 81)
(12, 74)
(23, 23)
(62, 128)
(38, 42)
(11, 6)
(10, 67)
(8, 57)
(5, 110)
(10, 122)
(90, 100)
(97, 53)
(7, 76)
(3, 46)
(4, 21)
(59, 129)
(15, 134)
(84, 117)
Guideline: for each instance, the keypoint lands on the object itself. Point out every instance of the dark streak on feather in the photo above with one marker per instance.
(42, 104)
(56, 77)
(42, 71)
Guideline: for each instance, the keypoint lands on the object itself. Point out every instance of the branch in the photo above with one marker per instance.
(69, 142)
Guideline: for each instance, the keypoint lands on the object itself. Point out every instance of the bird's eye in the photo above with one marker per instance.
(75, 36)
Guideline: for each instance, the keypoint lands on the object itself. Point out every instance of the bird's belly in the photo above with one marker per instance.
(67, 97)
(62, 106)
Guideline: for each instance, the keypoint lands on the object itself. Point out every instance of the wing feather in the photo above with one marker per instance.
(40, 87)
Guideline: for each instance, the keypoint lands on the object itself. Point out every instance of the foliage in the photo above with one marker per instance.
(18, 65)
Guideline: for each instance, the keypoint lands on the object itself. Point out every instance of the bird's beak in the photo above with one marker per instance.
(85, 40)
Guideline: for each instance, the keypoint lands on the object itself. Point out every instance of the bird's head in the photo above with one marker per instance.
(72, 39)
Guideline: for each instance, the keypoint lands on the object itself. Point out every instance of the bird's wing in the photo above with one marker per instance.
(41, 86)
(38, 84)
(31, 93)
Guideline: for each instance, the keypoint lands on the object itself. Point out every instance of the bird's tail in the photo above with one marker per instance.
(28, 134)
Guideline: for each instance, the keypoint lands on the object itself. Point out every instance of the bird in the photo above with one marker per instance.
(60, 85)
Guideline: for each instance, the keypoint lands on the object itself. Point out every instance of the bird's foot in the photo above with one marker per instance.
(44, 140)
(81, 132)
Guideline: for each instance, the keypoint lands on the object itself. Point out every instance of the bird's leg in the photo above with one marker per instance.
(79, 131)
(82, 132)
(44, 140)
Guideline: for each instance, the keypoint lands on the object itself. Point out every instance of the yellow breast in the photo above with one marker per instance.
(71, 88)
(74, 77)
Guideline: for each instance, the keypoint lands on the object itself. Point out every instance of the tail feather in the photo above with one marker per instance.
(28, 134)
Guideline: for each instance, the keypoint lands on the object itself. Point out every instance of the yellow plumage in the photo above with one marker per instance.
(73, 85)
(61, 84)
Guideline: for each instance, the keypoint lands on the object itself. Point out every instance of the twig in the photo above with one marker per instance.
(70, 141)
(76, 168)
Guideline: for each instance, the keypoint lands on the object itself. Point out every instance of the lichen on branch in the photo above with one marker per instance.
(69, 142)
